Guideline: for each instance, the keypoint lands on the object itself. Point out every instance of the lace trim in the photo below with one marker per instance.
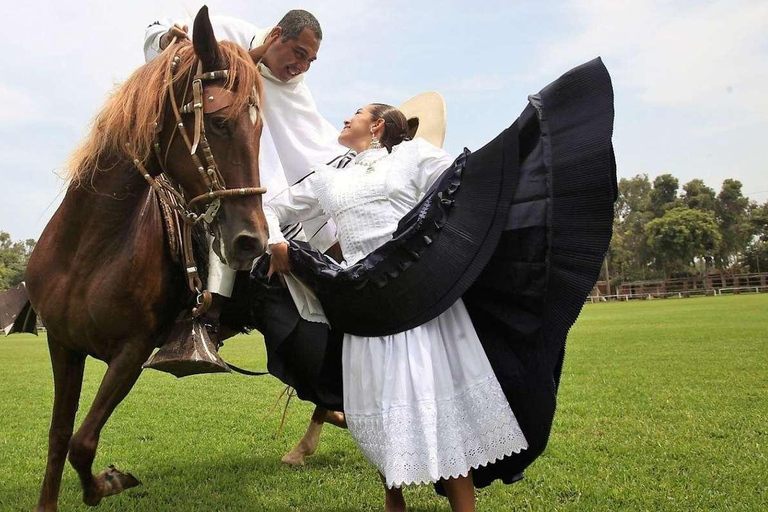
(435, 439)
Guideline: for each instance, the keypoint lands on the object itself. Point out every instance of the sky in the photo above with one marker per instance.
(689, 76)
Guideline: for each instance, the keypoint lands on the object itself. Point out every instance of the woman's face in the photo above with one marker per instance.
(356, 133)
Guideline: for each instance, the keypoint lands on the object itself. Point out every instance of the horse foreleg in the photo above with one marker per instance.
(67, 381)
(120, 377)
(308, 443)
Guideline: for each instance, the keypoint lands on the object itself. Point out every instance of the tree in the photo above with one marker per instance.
(732, 218)
(634, 196)
(629, 253)
(13, 260)
(619, 258)
(698, 196)
(664, 194)
(758, 217)
(755, 258)
(741, 223)
(681, 236)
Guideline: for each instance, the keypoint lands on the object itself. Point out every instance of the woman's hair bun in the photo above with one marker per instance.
(396, 127)
(413, 126)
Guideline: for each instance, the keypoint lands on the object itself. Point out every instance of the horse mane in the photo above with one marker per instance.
(126, 125)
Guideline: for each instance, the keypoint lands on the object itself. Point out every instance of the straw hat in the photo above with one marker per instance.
(429, 107)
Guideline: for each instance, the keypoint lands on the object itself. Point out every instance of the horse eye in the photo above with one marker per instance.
(220, 123)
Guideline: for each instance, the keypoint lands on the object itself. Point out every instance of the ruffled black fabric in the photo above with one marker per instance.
(518, 230)
(550, 254)
(436, 253)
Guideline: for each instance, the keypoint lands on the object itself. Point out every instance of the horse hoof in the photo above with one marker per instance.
(293, 458)
(113, 481)
(92, 500)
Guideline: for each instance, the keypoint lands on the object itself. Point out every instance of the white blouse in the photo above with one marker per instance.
(366, 199)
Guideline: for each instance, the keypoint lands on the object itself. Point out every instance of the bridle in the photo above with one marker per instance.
(206, 99)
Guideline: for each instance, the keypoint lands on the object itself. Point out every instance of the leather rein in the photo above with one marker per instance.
(206, 99)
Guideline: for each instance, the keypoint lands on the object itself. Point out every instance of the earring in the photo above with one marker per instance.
(375, 142)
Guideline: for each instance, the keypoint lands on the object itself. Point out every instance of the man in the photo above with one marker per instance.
(295, 135)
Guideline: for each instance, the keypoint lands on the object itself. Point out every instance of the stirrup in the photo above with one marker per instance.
(188, 351)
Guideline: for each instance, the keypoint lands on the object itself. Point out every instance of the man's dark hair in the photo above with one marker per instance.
(295, 21)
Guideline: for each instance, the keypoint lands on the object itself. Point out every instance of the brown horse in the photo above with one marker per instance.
(102, 276)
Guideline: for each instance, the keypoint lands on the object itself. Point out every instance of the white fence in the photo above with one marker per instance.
(710, 292)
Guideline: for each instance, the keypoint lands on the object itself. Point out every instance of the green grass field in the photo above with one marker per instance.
(663, 406)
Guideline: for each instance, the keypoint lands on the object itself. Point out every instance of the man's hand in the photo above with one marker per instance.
(258, 53)
(178, 31)
(279, 259)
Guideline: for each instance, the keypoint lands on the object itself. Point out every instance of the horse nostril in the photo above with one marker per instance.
(249, 245)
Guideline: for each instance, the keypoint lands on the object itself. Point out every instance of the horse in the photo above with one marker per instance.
(102, 277)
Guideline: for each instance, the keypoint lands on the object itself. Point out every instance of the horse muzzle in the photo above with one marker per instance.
(245, 247)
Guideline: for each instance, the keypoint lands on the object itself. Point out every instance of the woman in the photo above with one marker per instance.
(424, 405)
(504, 248)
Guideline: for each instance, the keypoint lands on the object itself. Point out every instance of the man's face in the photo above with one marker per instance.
(292, 57)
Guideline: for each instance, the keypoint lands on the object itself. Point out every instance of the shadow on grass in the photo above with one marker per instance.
(235, 481)
(242, 482)
(258, 482)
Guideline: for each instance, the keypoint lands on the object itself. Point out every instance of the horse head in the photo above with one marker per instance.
(208, 140)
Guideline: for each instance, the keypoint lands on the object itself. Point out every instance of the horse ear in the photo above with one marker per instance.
(206, 47)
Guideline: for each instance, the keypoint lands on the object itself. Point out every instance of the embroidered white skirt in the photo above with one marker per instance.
(424, 404)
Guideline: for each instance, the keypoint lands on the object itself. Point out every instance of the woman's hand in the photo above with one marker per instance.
(279, 262)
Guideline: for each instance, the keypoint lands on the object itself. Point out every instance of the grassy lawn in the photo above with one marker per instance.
(663, 406)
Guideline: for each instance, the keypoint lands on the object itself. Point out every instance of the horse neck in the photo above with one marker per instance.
(111, 212)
